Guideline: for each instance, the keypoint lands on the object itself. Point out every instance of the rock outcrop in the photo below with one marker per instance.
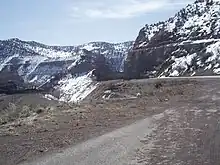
(184, 45)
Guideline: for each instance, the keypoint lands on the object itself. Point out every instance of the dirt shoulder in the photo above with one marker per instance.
(187, 133)
(51, 126)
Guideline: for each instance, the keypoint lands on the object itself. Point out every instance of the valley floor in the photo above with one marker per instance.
(186, 114)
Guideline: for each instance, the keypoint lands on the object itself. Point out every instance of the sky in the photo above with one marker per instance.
(74, 22)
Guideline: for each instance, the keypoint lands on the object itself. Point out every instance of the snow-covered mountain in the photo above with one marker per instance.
(36, 63)
(186, 44)
(49, 66)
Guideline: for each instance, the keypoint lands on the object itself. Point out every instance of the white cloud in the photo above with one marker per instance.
(120, 9)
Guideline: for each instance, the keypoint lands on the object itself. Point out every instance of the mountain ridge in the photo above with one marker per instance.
(57, 45)
(15, 48)
(65, 70)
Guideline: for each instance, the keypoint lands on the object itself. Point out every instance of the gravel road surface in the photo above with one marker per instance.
(113, 148)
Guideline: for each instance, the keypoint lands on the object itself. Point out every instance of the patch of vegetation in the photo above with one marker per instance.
(14, 112)
(158, 85)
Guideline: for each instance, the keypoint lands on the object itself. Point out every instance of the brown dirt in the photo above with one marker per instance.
(56, 126)
(187, 133)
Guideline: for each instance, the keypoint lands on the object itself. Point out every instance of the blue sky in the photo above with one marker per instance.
(72, 22)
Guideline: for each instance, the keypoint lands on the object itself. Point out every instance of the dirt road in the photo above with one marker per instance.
(112, 148)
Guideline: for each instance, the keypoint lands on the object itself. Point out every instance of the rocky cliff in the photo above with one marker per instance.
(187, 44)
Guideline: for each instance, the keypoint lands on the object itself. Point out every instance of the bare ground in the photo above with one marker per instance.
(187, 133)
(51, 126)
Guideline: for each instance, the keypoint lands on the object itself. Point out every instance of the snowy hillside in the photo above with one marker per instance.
(47, 66)
(198, 21)
(37, 63)
(208, 62)
(186, 44)
(75, 89)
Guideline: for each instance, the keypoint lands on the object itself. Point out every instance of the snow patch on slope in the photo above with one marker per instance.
(182, 63)
(179, 66)
(214, 49)
(33, 62)
(50, 97)
(75, 89)
(50, 53)
(90, 47)
(216, 71)
(7, 60)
